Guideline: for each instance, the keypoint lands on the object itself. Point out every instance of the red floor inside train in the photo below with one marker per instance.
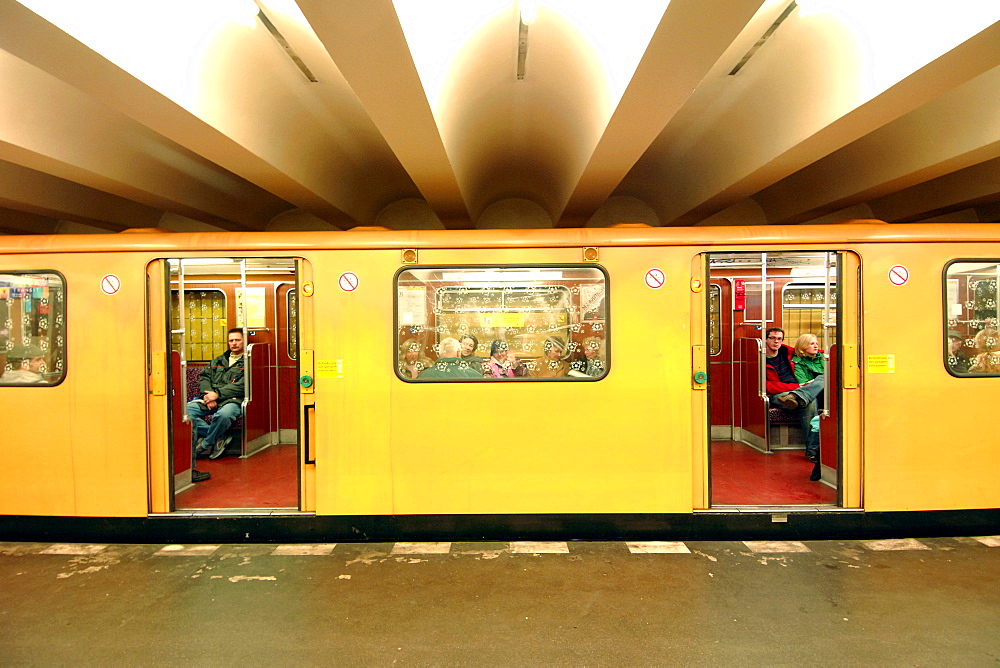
(742, 476)
(268, 479)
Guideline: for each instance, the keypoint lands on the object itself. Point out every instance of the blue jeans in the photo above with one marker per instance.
(807, 395)
(224, 418)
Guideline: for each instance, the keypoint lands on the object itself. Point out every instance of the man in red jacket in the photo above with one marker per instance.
(788, 393)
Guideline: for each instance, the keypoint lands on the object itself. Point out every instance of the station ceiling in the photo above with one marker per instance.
(197, 115)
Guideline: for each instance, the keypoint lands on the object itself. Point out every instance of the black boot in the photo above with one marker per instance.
(817, 472)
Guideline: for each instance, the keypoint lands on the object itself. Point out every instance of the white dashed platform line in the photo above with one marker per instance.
(186, 550)
(539, 547)
(658, 547)
(73, 549)
(775, 546)
(421, 548)
(989, 541)
(321, 550)
(894, 544)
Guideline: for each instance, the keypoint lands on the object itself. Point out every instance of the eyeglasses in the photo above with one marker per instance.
(775, 338)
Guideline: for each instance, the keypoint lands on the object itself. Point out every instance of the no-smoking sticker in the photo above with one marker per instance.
(348, 281)
(899, 275)
(110, 284)
(654, 278)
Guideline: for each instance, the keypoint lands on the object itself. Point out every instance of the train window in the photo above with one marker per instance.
(971, 338)
(714, 320)
(293, 324)
(802, 306)
(32, 328)
(206, 326)
(480, 323)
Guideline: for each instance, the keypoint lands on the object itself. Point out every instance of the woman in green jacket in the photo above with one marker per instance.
(807, 359)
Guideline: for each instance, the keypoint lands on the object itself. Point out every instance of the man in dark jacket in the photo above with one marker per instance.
(221, 385)
(787, 392)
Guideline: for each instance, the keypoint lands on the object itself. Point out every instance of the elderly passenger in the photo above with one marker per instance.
(592, 362)
(551, 364)
(449, 364)
(501, 363)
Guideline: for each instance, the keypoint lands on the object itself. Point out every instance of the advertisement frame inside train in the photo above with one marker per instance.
(776, 440)
(232, 347)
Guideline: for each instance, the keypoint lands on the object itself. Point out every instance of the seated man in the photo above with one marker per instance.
(788, 393)
(221, 386)
(449, 364)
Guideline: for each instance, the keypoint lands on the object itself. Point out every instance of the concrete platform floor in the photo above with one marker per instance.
(929, 601)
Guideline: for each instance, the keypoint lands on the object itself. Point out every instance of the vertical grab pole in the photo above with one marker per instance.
(182, 330)
(762, 382)
(826, 338)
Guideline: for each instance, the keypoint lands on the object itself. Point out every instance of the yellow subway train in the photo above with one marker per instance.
(576, 383)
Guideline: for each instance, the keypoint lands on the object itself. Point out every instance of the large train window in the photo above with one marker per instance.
(32, 328)
(206, 326)
(802, 309)
(488, 323)
(972, 336)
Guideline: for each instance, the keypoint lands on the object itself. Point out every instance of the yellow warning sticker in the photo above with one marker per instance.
(329, 368)
(881, 364)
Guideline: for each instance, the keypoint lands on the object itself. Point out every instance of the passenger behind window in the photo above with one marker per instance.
(958, 360)
(987, 342)
(410, 361)
(25, 366)
(551, 364)
(502, 364)
(807, 358)
(592, 362)
(469, 345)
(449, 364)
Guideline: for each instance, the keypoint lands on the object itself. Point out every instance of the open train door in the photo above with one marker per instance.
(755, 450)
(197, 305)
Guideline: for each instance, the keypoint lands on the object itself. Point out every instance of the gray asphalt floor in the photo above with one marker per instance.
(925, 601)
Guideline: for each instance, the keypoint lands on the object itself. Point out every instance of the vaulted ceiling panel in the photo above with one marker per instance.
(274, 114)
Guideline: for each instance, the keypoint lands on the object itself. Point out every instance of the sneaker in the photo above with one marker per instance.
(220, 447)
(789, 401)
(200, 476)
(199, 447)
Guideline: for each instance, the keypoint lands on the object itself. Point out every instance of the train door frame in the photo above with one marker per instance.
(165, 399)
(844, 469)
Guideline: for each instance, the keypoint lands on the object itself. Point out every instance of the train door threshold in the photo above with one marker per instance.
(823, 508)
(234, 512)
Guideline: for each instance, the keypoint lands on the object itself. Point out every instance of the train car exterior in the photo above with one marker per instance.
(99, 448)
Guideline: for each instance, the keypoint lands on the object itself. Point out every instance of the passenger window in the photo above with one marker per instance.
(971, 337)
(802, 307)
(205, 326)
(501, 323)
(32, 328)
(292, 335)
(714, 320)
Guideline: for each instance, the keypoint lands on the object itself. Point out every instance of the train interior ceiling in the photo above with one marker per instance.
(259, 467)
(757, 449)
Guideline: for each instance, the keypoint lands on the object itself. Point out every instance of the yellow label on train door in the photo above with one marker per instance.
(881, 364)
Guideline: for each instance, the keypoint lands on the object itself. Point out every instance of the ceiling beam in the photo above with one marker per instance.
(684, 48)
(955, 131)
(36, 192)
(365, 40)
(276, 172)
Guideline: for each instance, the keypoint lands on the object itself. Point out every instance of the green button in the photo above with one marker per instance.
(701, 377)
(306, 381)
